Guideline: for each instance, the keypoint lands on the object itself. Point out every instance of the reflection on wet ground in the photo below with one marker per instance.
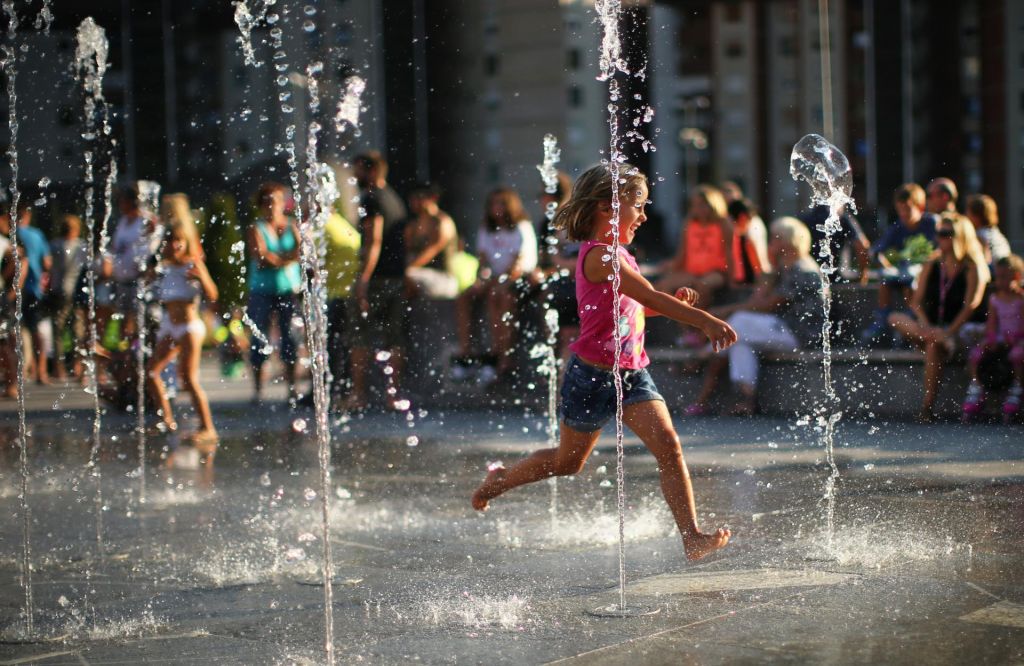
(221, 563)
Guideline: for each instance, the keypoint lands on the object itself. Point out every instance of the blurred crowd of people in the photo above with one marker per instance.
(946, 283)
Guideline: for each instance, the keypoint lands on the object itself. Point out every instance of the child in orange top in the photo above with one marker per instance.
(704, 258)
(588, 394)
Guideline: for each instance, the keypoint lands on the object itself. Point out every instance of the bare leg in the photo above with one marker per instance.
(907, 326)
(653, 425)
(884, 296)
(360, 361)
(500, 303)
(934, 358)
(747, 405)
(289, 379)
(712, 373)
(7, 365)
(191, 347)
(162, 355)
(573, 450)
(42, 372)
(463, 317)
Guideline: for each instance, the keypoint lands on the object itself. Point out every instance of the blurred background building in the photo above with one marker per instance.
(461, 92)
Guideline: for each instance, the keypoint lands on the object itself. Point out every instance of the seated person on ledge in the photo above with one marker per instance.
(783, 313)
(704, 258)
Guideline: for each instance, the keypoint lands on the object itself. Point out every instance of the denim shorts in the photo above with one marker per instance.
(588, 394)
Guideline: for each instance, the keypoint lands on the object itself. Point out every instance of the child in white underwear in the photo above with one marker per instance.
(182, 279)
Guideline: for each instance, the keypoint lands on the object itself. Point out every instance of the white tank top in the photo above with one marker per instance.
(175, 285)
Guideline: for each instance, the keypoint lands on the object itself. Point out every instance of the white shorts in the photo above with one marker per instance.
(433, 283)
(194, 328)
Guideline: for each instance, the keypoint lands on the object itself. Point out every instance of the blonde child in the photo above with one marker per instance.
(588, 394)
(183, 279)
(704, 258)
(1004, 328)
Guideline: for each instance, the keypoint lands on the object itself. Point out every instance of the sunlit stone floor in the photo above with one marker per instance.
(221, 562)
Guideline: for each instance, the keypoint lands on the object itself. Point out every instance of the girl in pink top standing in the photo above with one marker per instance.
(588, 392)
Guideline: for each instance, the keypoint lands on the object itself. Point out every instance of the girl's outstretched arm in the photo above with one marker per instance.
(637, 287)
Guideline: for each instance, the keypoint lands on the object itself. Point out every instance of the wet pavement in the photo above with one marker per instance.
(221, 562)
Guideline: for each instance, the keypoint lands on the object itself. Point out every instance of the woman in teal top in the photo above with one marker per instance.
(274, 281)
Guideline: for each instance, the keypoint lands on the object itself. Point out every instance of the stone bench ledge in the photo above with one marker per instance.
(847, 356)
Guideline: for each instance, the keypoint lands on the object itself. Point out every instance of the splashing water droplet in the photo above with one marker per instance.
(412, 440)
(309, 494)
(299, 425)
(825, 168)
(383, 356)
(265, 479)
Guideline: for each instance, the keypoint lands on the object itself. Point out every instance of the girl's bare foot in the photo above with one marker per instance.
(700, 544)
(490, 488)
(204, 441)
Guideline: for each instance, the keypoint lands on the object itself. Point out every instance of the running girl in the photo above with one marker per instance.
(183, 279)
(588, 393)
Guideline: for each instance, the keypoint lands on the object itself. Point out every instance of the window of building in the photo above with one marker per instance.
(575, 97)
(733, 12)
(787, 46)
(572, 59)
(734, 50)
(491, 64)
(66, 116)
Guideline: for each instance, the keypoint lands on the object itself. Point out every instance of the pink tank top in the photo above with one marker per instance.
(1009, 319)
(596, 342)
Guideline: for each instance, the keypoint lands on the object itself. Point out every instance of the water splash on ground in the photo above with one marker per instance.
(880, 546)
(477, 612)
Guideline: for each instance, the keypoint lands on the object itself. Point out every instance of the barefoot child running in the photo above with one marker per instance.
(588, 392)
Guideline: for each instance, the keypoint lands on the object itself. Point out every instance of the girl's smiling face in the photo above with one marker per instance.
(632, 213)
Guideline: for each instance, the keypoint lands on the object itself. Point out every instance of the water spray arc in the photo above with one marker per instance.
(826, 169)
(548, 351)
(9, 60)
(611, 65)
(91, 65)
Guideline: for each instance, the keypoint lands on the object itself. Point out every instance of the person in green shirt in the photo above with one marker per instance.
(341, 262)
(274, 282)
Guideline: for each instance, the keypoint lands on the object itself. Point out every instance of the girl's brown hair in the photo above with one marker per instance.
(591, 189)
(984, 208)
(514, 212)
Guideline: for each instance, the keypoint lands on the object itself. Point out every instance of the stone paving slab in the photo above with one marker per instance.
(220, 565)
